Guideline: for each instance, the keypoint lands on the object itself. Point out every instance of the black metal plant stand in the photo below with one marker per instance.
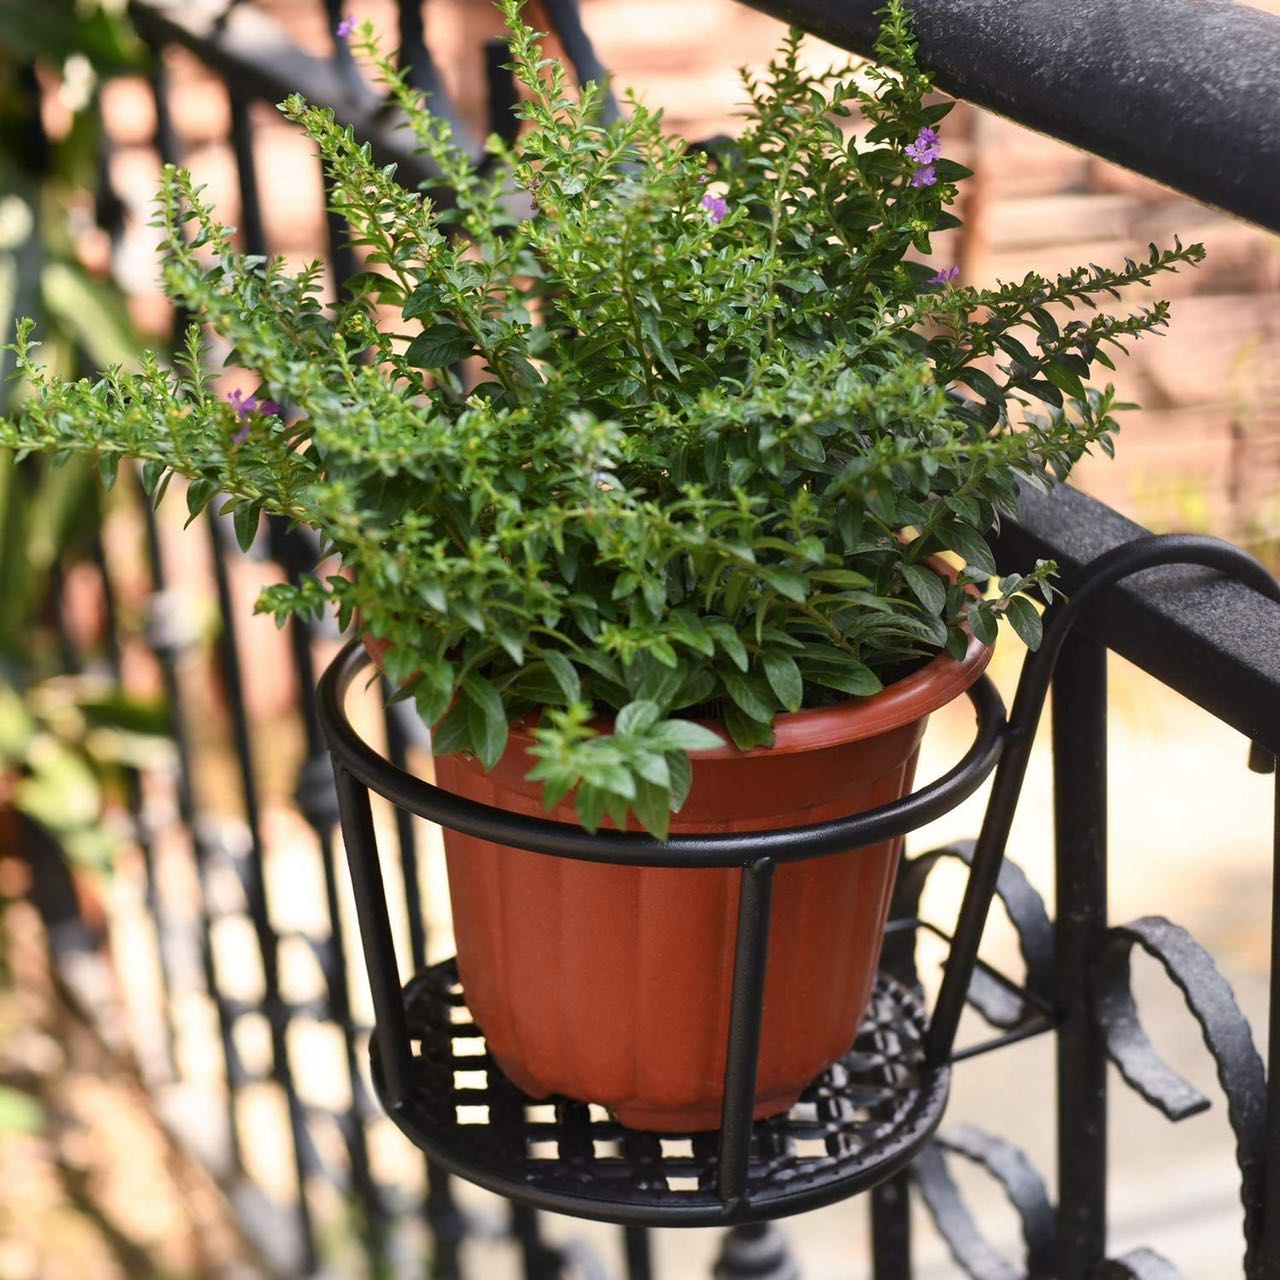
(858, 1125)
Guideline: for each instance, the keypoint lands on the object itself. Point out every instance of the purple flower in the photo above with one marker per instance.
(944, 276)
(245, 405)
(715, 206)
(926, 148)
(346, 28)
(924, 177)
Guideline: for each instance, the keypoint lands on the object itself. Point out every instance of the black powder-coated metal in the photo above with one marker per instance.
(637, 848)
(755, 1251)
(1080, 862)
(746, 1020)
(1241, 1074)
(891, 1228)
(1081, 588)
(1213, 638)
(1180, 90)
(857, 1124)
(1021, 1184)
(1271, 1172)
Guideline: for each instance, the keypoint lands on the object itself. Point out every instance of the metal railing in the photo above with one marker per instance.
(1112, 78)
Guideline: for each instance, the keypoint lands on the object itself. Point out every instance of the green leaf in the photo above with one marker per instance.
(927, 587)
(730, 643)
(590, 803)
(1025, 620)
(245, 521)
(684, 735)
(424, 300)
(1065, 379)
(652, 805)
(486, 719)
(681, 778)
(785, 678)
(969, 543)
(745, 731)
(786, 582)
(858, 679)
(983, 383)
(749, 695)
(564, 673)
(654, 681)
(652, 767)
(199, 494)
(434, 689)
(453, 733)
(637, 717)
(440, 346)
(981, 623)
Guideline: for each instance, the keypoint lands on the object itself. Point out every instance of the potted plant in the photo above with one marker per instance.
(650, 484)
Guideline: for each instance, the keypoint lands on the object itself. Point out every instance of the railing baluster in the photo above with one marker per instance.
(1080, 808)
(318, 804)
(891, 1229)
(1271, 1205)
(254, 881)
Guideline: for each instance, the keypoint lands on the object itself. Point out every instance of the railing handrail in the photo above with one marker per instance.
(1214, 640)
(1182, 91)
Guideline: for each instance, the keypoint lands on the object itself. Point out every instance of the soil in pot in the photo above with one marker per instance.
(611, 984)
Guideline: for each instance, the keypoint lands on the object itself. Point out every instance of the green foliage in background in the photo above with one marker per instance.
(628, 432)
(47, 190)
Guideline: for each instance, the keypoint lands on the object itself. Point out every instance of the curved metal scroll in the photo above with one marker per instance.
(1141, 1264)
(1023, 1187)
(1023, 905)
(1226, 1035)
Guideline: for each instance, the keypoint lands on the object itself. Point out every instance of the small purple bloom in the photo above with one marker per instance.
(346, 28)
(245, 405)
(926, 148)
(924, 177)
(715, 206)
(945, 276)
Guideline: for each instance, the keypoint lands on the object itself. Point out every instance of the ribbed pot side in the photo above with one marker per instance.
(611, 984)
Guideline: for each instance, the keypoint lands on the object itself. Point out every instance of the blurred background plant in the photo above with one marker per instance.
(65, 734)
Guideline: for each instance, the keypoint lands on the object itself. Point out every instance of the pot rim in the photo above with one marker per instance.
(941, 680)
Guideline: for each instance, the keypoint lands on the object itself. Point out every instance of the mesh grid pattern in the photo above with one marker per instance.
(856, 1124)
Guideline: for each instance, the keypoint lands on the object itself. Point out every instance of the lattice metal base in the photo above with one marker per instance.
(854, 1126)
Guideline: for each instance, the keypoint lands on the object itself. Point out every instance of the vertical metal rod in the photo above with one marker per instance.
(316, 799)
(391, 1028)
(755, 1251)
(639, 1254)
(746, 1018)
(539, 1260)
(254, 881)
(1080, 843)
(446, 1222)
(1270, 1249)
(142, 834)
(407, 842)
(891, 1229)
(278, 1013)
(166, 641)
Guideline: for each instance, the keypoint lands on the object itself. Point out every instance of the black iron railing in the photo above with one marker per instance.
(1181, 90)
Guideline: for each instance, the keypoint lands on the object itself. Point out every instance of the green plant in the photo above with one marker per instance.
(45, 183)
(625, 430)
(64, 748)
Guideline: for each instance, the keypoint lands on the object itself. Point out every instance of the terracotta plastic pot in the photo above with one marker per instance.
(611, 984)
